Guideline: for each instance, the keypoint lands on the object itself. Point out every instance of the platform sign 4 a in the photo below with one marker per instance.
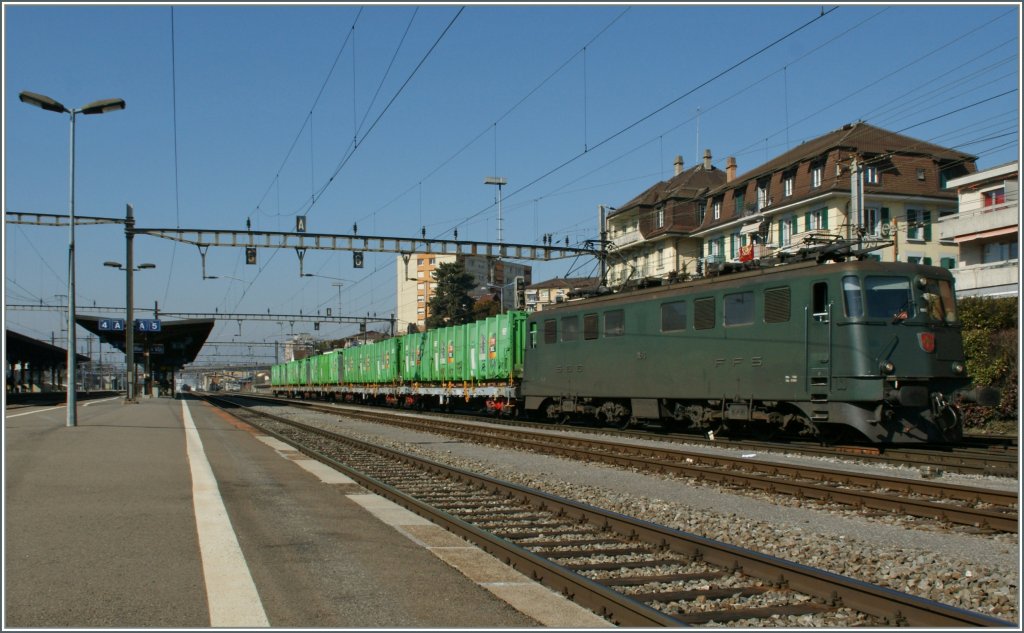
(147, 325)
(111, 325)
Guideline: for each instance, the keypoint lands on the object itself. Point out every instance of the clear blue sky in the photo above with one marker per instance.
(251, 112)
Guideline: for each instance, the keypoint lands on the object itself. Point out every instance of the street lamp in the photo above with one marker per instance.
(129, 324)
(496, 180)
(96, 107)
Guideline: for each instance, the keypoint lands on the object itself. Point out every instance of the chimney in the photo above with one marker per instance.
(707, 160)
(730, 169)
(679, 165)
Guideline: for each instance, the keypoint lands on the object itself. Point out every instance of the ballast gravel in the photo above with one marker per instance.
(977, 572)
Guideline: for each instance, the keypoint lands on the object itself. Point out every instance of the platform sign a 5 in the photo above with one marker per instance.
(147, 325)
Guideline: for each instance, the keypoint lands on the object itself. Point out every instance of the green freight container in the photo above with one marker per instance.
(292, 373)
(499, 346)
(326, 368)
(415, 360)
(375, 363)
(452, 353)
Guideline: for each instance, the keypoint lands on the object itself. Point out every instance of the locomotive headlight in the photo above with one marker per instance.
(958, 368)
(887, 367)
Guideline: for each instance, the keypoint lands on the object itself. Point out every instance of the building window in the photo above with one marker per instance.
(737, 196)
(419, 274)
(871, 175)
(735, 241)
(787, 185)
(872, 220)
(716, 208)
(701, 210)
(999, 252)
(919, 225)
(659, 217)
(787, 227)
(816, 220)
(816, 173)
(762, 195)
(920, 173)
(994, 197)
(948, 263)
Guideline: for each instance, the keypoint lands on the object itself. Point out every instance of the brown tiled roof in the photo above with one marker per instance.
(688, 184)
(567, 282)
(859, 137)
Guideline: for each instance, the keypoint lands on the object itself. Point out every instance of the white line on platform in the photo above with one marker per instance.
(230, 590)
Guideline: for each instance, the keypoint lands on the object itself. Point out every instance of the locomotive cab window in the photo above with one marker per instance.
(550, 331)
(820, 299)
(589, 327)
(533, 335)
(738, 309)
(888, 297)
(570, 328)
(673, 316)
(851, 296)
(614, 323)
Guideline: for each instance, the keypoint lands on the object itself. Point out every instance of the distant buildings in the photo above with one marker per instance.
(556, 290)
(415, 282)
(986, 230)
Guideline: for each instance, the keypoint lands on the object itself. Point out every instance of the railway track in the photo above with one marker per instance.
(976, 455)
(632, 572)
(978, 508)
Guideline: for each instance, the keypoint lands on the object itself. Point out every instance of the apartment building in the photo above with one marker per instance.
(649, 235)
(860, 183)
(986, 230)
(556, 290)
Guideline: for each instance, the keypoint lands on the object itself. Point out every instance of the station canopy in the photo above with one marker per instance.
(171, 344)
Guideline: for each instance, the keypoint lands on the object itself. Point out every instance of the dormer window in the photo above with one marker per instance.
(871, 175)
(659, 217)
(816, 174)
(716, 209)
(787, 185)
(762, 195)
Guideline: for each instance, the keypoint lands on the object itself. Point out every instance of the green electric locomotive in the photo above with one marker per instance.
(806, 348)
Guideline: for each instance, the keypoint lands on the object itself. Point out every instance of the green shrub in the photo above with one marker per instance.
(990, 334)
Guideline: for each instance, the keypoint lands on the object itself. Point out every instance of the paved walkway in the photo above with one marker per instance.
(168, 514)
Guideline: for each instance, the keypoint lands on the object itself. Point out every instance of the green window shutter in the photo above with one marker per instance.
(927, 219)
(885, 214)
(927, 261)
(792, 225)
(780, 233)
(824, 218)
(807, 221)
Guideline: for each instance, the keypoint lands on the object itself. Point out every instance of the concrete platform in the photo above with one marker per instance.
(168, 514)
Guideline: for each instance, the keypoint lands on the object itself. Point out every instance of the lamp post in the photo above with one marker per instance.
(129, 325)
(496, 180)
(96, 107)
